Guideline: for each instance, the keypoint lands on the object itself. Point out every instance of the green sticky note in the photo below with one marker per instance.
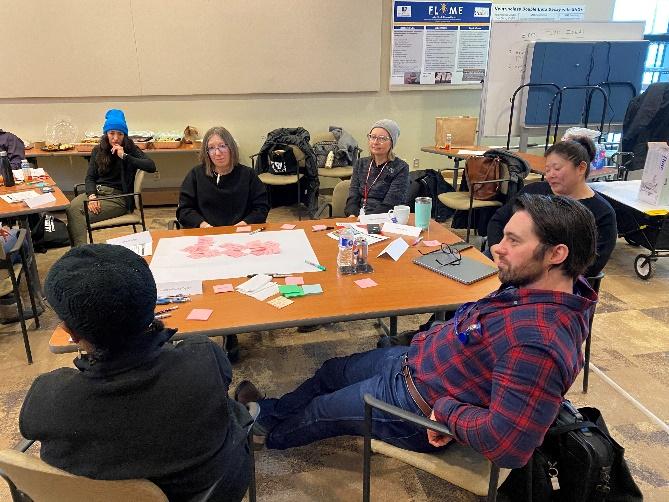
(290, 288)
(294, 295)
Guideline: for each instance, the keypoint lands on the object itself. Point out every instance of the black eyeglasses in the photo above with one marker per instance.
(451, 255)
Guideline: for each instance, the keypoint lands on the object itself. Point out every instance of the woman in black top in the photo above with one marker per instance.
(221, 191)
(111, 171)
(380, 181)
(567, 168)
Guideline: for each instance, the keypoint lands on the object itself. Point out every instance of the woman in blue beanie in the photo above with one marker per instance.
(135, 406)
(111, 171)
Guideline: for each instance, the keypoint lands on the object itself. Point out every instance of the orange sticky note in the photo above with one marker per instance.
(199, 314)
(223, 288)
(431, 243)
(296, 281)
(287, 226)
(244, 229)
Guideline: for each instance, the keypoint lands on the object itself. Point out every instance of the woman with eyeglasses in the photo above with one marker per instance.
(111, 171)
(380, 181)
(220, 191)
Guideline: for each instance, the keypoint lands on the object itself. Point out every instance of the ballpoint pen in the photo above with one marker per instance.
(257, 230)
(319, 267)
(162, 316)
(164, 311)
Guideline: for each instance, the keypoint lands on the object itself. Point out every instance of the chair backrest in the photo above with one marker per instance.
(139, 179)
(44, 483)
(339, 197)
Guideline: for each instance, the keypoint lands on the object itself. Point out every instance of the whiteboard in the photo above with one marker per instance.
(506, 62)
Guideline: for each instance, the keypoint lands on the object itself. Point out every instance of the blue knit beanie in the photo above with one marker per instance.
(115, 121)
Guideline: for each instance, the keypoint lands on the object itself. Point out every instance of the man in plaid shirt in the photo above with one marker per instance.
(494, 374)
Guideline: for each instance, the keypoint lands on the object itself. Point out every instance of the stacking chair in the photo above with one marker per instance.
(457, 464)
(595, 281)
(284, 179)
(343, 172)
(339, 196)
(464, 200)
(135, 218)
(10, 277)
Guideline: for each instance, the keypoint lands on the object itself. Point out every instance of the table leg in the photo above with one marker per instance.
(456, 167)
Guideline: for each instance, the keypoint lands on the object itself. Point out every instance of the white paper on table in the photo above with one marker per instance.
(366, 219)
(268, 290)
(171, 262)
(255, 283)
(396, 228)
(395, 249)
(18, 174)
(179, 288)
(37, 171)
(40, 200)
(470, 152)
(20, 196)
(141, 243)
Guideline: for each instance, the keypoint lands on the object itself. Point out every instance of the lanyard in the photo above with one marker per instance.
(367, 188)
(464, 310)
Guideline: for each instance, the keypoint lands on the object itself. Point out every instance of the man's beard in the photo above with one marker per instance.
(521, 276)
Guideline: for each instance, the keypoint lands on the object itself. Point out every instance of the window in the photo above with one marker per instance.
(656, 15)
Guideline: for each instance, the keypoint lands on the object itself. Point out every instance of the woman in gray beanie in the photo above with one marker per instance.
(135, 406)
(380, 181)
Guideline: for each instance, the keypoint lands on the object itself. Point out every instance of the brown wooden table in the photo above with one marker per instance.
(36, 153)
(403, 288)
(537, 163)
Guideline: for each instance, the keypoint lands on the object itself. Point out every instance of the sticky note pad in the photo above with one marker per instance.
(291, 288)
(432, 243)
(312, 289)
(199, 314)
(294, 295)
(280, 302)
(244, 229)
(366, 283)
(295, 280)
(287, 226)
(316, 228)
(223, 288)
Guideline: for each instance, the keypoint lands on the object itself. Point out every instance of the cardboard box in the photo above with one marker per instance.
(462, 129)
(654, 189)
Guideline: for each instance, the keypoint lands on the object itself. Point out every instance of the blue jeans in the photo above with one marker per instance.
(9, 241)
(331, 403)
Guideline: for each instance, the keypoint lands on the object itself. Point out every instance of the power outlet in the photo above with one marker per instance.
(156, 176)
(416, 164)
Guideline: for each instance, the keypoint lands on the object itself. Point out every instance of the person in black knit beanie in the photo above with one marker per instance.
(135, 406)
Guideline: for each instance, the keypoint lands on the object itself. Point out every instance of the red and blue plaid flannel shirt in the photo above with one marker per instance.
(501, 391)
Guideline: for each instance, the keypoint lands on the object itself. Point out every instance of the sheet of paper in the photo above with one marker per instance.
(20, 196)
(287, 226)
(254, 283)
(179, 288)
(280, 302)
(265, 292)
(40, 200)
(381, 218)
(223, 288)
(366, 283)
(199, 314)
(172, 260)
(432, 243)
(396, 228)
(141, 243)
(470, 152)
(395, 249)
(295, 280)
(36, 172)
(312, 289)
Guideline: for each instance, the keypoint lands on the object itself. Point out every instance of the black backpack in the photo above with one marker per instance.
(430, 183)
(578, 462)
(282, 160)
(47, 232)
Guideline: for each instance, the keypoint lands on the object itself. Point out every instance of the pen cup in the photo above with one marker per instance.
(423, 211)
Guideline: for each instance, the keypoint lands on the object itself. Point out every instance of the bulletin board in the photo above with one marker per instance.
(79, 48)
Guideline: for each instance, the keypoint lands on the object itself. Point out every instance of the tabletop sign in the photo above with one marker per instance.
(654, 188)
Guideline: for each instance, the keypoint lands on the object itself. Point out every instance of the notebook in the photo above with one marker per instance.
(466, 272)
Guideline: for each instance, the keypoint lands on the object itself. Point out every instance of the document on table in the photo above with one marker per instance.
(40, 200)
(396, 228)
(19, 196)
(140, 243)
(177, 288)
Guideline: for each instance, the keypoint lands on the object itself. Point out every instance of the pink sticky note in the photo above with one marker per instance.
(297, 281)
(223, 288)
(199, 314)
(316, 228)
(244, 229)
(432, 243)
(287, 226)
(366, 283)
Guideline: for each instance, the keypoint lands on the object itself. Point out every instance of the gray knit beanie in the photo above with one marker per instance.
(391, 127)
(105, 294)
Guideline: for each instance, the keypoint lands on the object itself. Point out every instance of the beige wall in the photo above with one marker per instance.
(250, 117)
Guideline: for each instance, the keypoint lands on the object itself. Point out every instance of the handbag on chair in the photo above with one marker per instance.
(482, 168)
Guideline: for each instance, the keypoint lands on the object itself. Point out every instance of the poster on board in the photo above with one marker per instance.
(531, 12)
(439, 43)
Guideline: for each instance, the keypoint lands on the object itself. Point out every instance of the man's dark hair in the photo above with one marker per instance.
(561, 220)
